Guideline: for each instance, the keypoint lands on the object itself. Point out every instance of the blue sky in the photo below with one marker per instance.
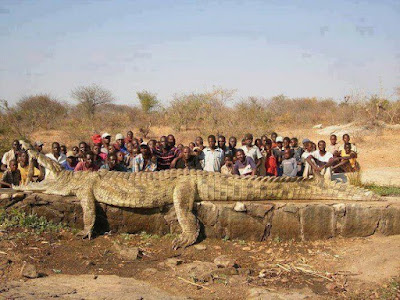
(260, 48)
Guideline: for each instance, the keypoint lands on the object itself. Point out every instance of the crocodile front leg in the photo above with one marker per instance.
(184, 195)
(89, 211)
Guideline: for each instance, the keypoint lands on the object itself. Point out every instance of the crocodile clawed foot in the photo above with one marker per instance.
(85, 234)
(184, 240)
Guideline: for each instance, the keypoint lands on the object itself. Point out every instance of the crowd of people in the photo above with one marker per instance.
(266, 156)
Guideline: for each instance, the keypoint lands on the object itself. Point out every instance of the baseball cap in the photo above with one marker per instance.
(306, 141)
(279, 139)
(104, 135)
(96, 139)
(70, 154)
(119, 136)
(38, 143)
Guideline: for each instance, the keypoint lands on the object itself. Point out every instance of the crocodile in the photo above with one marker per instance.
(180, 187)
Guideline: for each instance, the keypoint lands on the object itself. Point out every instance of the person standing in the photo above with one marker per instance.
(213, 156)
(10, 155)
(252, 150)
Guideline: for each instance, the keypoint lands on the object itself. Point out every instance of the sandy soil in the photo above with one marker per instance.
(71, 268)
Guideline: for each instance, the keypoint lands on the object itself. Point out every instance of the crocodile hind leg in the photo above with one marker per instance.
(89, 211)
(184, 194)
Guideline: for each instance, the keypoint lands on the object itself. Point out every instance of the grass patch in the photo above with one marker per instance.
(384, 190)
(17, 218)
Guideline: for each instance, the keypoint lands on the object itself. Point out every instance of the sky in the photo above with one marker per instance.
(325, 49)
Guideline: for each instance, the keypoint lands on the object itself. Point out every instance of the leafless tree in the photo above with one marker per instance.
(91, 97)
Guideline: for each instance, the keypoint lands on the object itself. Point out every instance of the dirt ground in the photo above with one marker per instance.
(121, 266)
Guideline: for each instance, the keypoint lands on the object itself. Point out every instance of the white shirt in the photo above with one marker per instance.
(7, 157)
(305, 155)
(61, 159)
(213, 159)
(254, 152)
(323, 158)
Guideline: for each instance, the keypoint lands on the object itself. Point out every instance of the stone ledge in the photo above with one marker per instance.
(297, 220)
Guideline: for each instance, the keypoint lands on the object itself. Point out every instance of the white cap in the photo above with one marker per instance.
(119, 136)
(104, 135)
(279, 139)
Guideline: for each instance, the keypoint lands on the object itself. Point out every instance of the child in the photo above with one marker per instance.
(348, 160)
(12, 176)
(289, 164)
(334, 146)
(271, 167)
(227, 168)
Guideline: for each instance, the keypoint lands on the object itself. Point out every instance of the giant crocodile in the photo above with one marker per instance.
(180, 187)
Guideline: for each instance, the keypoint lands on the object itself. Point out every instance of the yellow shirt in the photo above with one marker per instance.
(352, 161)
(24, 173)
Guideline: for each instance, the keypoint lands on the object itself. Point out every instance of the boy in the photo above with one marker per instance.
(213, 156)
(12, 176)
(346, 140)
(320, 161)
(348, 160)
(289, 164)
(227, 168)
(334, 146)
(71, 162)
(251, 150)
(87, 164)
(27, 169)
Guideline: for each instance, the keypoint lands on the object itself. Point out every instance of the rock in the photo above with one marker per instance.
(5, 196)
(318, 126)
(197, 270)
(285, 225)
(258, 210)
(173, 262)
(200, 247)
(246, 248)
(331, 286)
(128, 253)
(150, 271)
(89, 263)
(29, 271)
(318, 222)
(240, 207)
(224, 261)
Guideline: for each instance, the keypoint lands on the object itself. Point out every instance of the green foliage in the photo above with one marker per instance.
(384, 190)
(16, 218)
(144, 235)
(148, 101)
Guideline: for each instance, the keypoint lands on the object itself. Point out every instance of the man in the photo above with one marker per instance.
(274, 135)
(12, 176)
(88, 163)
(199, 142)
(223, 147)
(129, 137)
(10, 155)
(186, 160)
(144, 162)
(112, 164)
(38, 146)
(27, 169)
(289, 164)
(244, 164)
(252, 150)
(120, 143)
(213, 156)
(232, 145)
(334, 146)
(167, 152)
(319, 162)
(105, 140)
(56, 155)
(297, 153)
(98, 159)
(71, 161)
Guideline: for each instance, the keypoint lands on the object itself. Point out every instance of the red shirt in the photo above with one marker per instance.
(81, 166)
(271, 166)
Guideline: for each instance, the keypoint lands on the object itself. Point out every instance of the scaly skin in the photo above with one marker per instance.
(180, 188)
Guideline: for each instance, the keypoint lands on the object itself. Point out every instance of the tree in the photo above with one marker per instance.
(148, 101)
(91, 97)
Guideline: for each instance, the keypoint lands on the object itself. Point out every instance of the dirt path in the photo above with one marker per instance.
(111, 267)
